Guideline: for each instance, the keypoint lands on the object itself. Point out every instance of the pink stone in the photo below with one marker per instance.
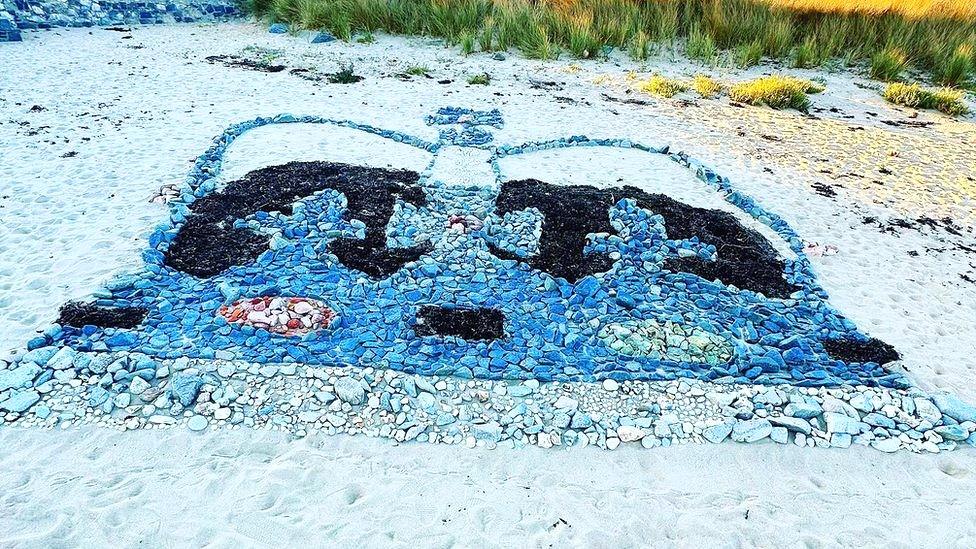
(280, 315)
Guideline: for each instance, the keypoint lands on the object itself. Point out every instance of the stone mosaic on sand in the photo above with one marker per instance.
(342, 298)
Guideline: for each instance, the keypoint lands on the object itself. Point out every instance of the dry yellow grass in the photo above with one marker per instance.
(917, 9)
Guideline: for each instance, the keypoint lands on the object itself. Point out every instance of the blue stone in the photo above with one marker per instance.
(20, 401)
(185, 388)
(323, 38)
(121, 339)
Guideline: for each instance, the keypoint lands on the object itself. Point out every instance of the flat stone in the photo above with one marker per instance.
(581, 421)
(841, 423)
(197, 423)
(19, 377)
(780, 435)
(427, 402)
(491, 431)
(878, 420)
(610, 385)
(927, 410)
(20, 401)
(886, 444)
(862, 402)
(719, 432)
(63, 359)
(840, 440)
(349, 390)
(628, 433)
(566, 402)
(185, 388)
(803, 409)
(792, 423)
(952, 432)
(161, 420)
(751, 430)
(138, 385)
(950, 405)
(122, 400)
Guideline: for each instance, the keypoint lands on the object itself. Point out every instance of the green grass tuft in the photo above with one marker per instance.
(888, 64)
(467, 43)
(706, 86)
(701, 46)
(777, 92)
(639, 46)
(482, 79)
(661, 86)
(956, 68)
(345, 75)
(748, 55)
(914, 96)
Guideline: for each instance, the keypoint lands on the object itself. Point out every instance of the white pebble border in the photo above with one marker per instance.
(403, 407)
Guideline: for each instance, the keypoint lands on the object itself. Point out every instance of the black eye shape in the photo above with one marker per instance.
(79, 315)
(465, 323)
(745, 259)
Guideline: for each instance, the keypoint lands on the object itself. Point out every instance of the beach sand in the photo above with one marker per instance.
(245, 488)
(93, 124)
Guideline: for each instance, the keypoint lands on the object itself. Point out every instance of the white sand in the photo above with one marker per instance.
(68, 224)
(257, 489)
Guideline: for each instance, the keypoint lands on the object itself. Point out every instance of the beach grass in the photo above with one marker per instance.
(776, 91)
(938, 36)
(706, 86)
(946, 100)
(661, 86)
(888, 64)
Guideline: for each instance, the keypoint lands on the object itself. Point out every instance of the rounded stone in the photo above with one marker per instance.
(197, 423)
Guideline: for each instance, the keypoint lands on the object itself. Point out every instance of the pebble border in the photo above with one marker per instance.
(299, 400)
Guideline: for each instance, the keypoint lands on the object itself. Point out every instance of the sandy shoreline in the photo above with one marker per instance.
(260, 489)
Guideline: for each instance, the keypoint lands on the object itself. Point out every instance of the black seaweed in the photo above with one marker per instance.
(467, 324)
(78, 315)
(235, 61)
(744, 257)
(853, 350)
(208, 244)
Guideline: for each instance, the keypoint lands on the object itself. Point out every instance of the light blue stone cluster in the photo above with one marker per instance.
(465, 131)
(553, 326)
(18, 15)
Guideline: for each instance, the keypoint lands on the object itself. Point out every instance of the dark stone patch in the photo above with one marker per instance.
(206, 248)
(208, 244)
(79, 315)
(851, 350)
(744, 257)
(235, 61)
(467, 324)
